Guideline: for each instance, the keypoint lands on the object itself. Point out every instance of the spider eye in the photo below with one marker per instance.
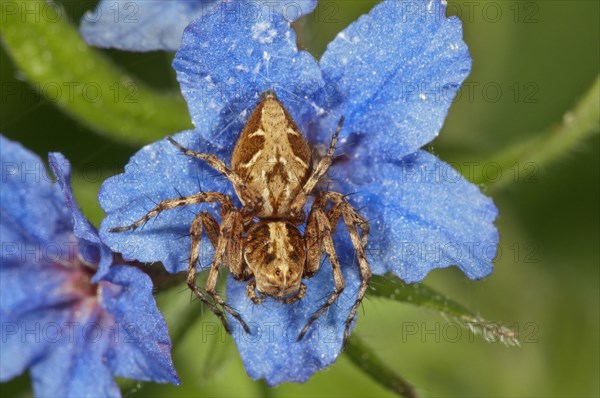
(278, 272)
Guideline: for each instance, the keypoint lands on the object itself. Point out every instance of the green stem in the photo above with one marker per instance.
(577, 124)
(362, 356)
(418, 294)
(264, 390)
(391, 287)
(85, 84)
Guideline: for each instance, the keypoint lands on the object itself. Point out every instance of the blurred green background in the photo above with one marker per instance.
(532, 61)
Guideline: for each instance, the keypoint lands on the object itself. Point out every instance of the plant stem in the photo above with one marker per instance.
(419, 294)
(577, 124)
(362, 356)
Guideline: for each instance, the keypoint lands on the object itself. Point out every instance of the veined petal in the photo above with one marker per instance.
(229, 57)
(90, 248)
(148, 25)
(424, 215)
(271, 350)
(31, 207)
(158, 172)
(144, 25)
(51, 318)
(29, 286)
(27, 336)
(397, 68)
(140, 348)
(76, 365)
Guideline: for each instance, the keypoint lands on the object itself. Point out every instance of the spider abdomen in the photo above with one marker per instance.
(272, 157)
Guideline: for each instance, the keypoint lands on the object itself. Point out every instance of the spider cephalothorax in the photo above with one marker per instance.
(273, 174)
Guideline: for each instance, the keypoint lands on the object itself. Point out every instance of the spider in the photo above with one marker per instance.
(273, 174)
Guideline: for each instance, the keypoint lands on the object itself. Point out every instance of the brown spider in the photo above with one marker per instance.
(272, 173)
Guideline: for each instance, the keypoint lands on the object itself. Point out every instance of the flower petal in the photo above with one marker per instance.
(158, 24)
(271, 351)
(398, 67)
(141, 25)
(141, 348)
(91, 249)
(76, 365)
(424, 215)
(227, 60)
(158, 172)
(29, 286)
(26, 337)
(31, 207)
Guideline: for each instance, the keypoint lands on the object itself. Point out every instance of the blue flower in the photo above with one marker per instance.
(393, 74)
(68, 314)
(147, 25)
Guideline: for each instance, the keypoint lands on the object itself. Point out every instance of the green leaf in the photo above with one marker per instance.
(84, 83)
(577, 124)
(362, 356)
(391, 287)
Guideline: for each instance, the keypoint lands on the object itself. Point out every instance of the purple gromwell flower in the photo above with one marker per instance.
(68, 313)
(148, 25)
(393, 74)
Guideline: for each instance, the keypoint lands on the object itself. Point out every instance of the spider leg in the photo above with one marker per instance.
(319, 230)
(338, 278)
(248, 195)
(353, 222)
(318, 172)
(251, 293)
(234, 252)
(169, 204)
(314, 237)
(206, 220)
(231, 231)
(212, 228)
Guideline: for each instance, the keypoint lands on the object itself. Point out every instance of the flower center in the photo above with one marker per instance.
(79, 282)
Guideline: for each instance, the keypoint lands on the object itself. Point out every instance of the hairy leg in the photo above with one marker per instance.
(251, 199)
(202, 197)
(353, 221)
(324, 233)
(206, 220)
(251, 293)
(317, 231)
(318, 172)
(229, 239)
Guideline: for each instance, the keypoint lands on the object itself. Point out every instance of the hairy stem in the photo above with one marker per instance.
(392, 288)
